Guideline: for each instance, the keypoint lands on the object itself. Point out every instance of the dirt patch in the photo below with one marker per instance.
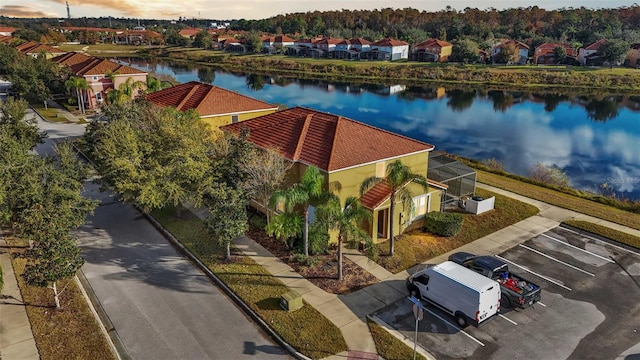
(321, 270)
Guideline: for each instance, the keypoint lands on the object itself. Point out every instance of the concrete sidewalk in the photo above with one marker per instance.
(16, 338)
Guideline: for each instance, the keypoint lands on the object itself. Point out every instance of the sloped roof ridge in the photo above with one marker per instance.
(367, 125)
(90, 63)
(339, 124)
(188, 96)
(303, 136)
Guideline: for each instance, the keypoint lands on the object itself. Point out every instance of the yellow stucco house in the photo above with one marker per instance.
(215, 105)
(347, 152)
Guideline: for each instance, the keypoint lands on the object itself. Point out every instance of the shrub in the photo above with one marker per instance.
(443, 224)
(549, 174)
(494, 164)
(318, 239)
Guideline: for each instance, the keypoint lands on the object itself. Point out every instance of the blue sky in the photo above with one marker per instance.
(257, 9)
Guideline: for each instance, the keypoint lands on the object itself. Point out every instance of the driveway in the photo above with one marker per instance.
(160, 305)
(589, 308)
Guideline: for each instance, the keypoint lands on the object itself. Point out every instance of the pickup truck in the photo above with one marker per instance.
(516, 291)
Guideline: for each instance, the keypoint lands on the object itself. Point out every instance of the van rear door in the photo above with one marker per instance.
(489, 303)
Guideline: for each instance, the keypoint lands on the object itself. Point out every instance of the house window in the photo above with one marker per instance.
(420, 206)
(95, 78)
(235, 118)
(99, 97)
(380, 169)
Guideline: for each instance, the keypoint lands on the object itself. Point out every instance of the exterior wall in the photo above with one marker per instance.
(445, 52)
(633, 58)
(216, 121)
(347, 182)
(99, 84)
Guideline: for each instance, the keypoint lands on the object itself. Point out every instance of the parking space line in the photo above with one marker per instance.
(606, 242)
(535, 273)
(575, 247)
(454, 326)
(509, 320)
(556, 260)
(541, 304)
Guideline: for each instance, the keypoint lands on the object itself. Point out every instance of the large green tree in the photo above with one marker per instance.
(309, 191)
(157, 157)
(398, 176)
(613, 51)
(465, 51)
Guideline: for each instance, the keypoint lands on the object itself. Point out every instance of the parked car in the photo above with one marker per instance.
(516, 290)
(470, 297)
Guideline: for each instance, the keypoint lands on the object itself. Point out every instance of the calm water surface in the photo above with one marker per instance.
(593, 140)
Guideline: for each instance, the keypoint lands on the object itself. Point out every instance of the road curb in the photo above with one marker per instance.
(108, 330)
(221, 285)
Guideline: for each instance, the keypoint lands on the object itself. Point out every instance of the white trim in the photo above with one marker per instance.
(237, 113)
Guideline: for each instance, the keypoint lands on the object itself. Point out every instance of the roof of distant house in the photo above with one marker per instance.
(433, 42)
(327, 141)
(84, 65)
(390, 42)
(517, 43)
(596, 45)
(7, 29)
(357, 41)
(207, 100)
(36, 48)
(283, 39)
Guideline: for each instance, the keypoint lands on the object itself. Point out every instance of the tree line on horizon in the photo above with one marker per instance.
(577, 26)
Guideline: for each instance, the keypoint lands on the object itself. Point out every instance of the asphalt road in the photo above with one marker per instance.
(160, 305)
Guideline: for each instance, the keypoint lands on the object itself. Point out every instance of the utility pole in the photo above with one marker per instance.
(68, 11)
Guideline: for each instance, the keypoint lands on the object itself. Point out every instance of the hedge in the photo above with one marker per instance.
(443, 223)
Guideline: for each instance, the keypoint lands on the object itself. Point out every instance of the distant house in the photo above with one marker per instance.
(352, 48)
(102, 75)
(633, 57)
(36, 49)
(523, 50)
(346, 152)
(588, 56)
(7, 30)
(215, 105)
(139, 35)
(543, 54)
(432, 50)
(189, 33)
(328, 45)
(388, 49)
(283, 41)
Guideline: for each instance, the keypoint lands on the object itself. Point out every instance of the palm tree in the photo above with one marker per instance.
(345, 220)
(153, 84)
(129, 87)
(398, 175)
(78, 84)
(305, 193)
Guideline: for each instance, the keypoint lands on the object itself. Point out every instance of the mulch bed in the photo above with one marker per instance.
(323, 271)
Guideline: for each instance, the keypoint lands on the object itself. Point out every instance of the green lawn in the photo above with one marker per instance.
(306, 329)
(388, 346)
(70, 332)
(564, 200)
(50, 114)
(416, 246)
(607, 232)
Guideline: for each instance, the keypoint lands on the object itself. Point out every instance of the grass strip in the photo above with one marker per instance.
(388, 346)
(415, 247)
(560, 199)
(307, 330)
(606, 232)
(70, 332)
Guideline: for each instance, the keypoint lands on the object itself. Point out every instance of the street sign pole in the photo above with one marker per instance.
(418, 314)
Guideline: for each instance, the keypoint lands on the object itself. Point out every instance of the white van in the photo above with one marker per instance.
(470, 297)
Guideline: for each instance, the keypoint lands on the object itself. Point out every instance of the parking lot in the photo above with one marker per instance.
(590, 306)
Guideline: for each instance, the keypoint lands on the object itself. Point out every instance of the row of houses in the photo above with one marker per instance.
(303, 136)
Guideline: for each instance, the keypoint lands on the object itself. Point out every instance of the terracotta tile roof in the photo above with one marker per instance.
(517, 44)
(84, 65)
(283, 39)
(360, 41)
(596, 45)
(375, 196)
(390, 42)
(71, 58)
(6, 39)
(188, 32)
(433, 42)
(27, 45)
(35, 48)
(206, 99)
(7, 29)
(329, 41)
(325, 140)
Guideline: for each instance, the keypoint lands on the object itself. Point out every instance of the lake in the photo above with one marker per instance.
(594, 140)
